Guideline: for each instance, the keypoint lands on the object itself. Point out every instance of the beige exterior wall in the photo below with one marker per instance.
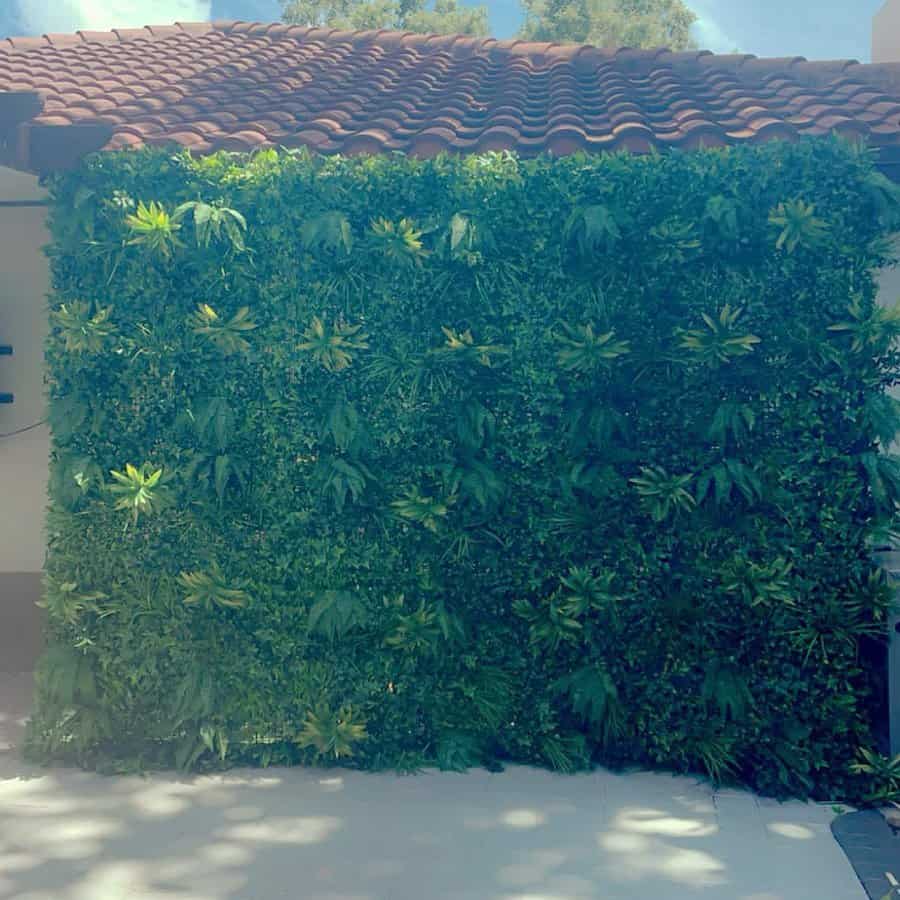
(24, 281)
(886, 33)
(889, 283)
(23, 458)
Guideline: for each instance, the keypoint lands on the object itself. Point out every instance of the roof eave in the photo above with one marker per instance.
(39, 147)
(16, 108)
(42, 148)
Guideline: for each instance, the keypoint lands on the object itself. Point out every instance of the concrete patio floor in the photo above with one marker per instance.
(523, 834)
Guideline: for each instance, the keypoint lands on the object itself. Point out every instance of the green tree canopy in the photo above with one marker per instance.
(442, 17)
(610, 23)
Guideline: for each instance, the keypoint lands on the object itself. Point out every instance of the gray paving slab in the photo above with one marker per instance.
(311, 834)
(873, 848)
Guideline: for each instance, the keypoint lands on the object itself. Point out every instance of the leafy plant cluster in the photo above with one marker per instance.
(461, 461)
(605, 23)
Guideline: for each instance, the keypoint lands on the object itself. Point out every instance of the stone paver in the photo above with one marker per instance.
(307, 834)
(873, 848)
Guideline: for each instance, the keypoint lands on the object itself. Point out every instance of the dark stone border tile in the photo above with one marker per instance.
(872, 847)
(21, 621)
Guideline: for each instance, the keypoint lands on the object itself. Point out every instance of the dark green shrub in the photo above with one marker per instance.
(470, 460)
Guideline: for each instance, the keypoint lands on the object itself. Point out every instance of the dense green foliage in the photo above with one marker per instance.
(605, 23)
(468, 460)
(611, 23)
(440, 17)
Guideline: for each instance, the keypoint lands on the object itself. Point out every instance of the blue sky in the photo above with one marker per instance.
(820, 30)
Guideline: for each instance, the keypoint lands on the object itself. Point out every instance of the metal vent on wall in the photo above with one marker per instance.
(889, 559)
(5, 350)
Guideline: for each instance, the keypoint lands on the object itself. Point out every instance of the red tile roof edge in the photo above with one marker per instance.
(53, 112)
(545, 52)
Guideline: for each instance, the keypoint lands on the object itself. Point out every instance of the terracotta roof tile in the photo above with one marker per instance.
(242, 85)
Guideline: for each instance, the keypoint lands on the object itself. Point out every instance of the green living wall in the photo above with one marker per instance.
(463, 461)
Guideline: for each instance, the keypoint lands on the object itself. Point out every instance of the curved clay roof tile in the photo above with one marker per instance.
(239, 85)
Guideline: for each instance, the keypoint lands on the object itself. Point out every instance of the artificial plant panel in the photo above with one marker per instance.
(401, 462)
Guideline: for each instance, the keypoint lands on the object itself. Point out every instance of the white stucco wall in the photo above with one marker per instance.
(24, 282)
(886, 33)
